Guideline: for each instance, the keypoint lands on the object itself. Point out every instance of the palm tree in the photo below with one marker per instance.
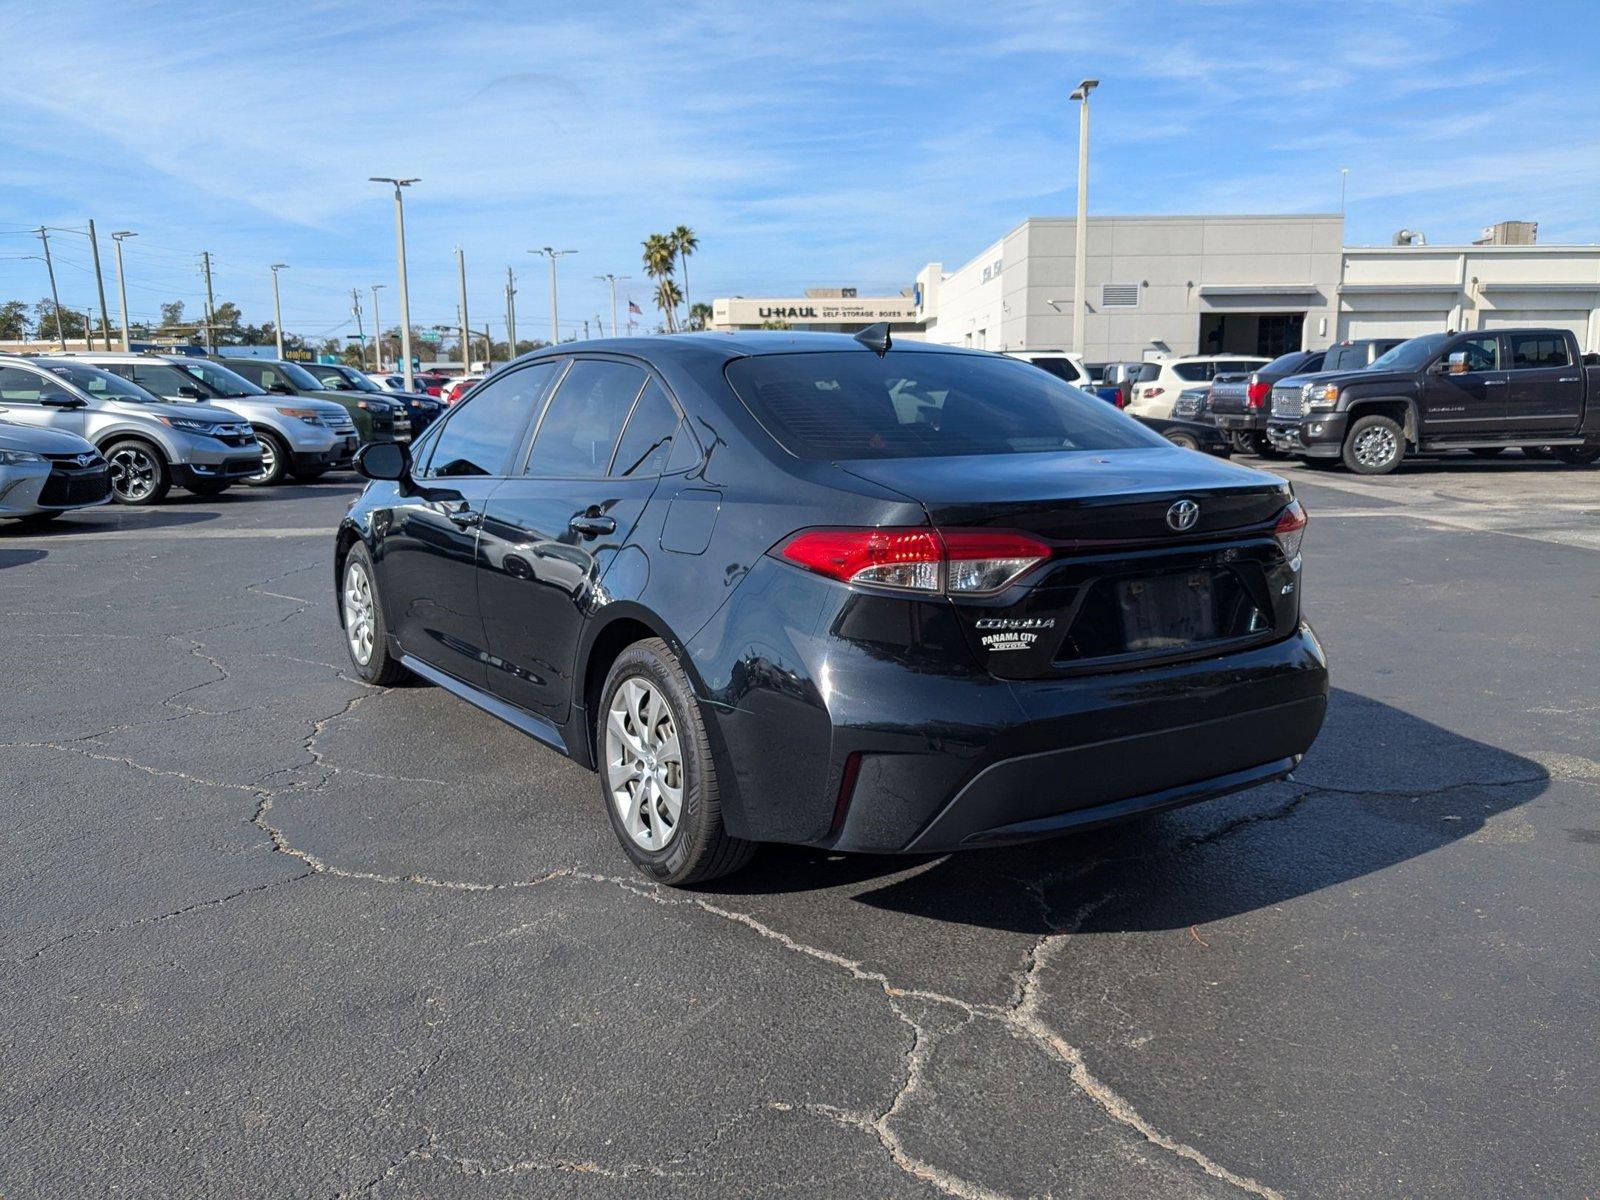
(668, 297)
(684, 243)
(699, 315)
(659, 253)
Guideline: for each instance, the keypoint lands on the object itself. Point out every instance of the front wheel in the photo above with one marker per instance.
(139, 474)
(274, 460)
(366, 635)
(1374, 445)
(657, 777)
(1578, 456)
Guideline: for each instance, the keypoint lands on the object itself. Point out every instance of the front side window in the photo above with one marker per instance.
(581, 425)
(647, 439)
(842, 405)
(482, 434)
(21, 387)
(1483, 354)
(1537, 351)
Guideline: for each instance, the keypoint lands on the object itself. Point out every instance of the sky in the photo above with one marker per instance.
(822, 144)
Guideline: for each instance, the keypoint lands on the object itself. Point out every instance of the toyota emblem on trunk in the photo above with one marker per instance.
(1182, 515)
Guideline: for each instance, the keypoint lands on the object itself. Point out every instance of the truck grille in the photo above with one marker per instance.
(1288, 402)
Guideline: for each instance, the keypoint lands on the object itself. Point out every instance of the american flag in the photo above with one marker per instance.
(634, 309)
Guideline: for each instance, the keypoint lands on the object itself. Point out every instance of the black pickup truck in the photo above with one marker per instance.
(1480, 391)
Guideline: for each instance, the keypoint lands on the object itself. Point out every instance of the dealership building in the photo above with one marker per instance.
(1162, 286)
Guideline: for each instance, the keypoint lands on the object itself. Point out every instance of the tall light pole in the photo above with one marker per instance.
(466, 328)
(552, 255)
(612, 280)
(1344, 178)
(1080, 265)
(122, 287)
(377, 331)
(511, 313)
(400, 254)
(277, 309)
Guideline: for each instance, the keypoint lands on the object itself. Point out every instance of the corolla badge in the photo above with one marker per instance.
(1182, 515)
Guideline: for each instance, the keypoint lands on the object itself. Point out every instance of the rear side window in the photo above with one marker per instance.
(481, 434)
(647, 440)
(846, 405)
(1530, 351)
(1061, 368)
(1192, 372)
(581, 424)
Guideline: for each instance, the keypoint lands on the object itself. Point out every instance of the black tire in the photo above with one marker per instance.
(209, 487)
(1487, 451)
(139, 472)
(274, 460)
(1537, 452)
(1374, 445)
(1578, 456)
(307, 474)
(1242, 443)
(380, 666)
(695, 847)
(1186, 440)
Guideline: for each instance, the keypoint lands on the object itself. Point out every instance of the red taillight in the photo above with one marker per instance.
(1291, 529)
(1153, 391)
(963, 562)
(1257, 392)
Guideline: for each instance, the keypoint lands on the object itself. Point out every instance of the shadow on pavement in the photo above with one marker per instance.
(111, 516)
(18, 558)
(1379, 787)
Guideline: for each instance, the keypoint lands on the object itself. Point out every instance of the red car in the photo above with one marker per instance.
(455, 389)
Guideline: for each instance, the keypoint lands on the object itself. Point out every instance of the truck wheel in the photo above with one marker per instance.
(139, 473)
(1578, 456)
(274, 460)
(1179, 437)
(1374, 446)
(1487, 451)
(658, 780)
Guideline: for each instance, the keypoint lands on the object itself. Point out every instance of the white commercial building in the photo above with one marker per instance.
(1165, 286)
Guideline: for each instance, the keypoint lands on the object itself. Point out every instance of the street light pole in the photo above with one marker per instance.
(1344, 178)
(277, 309)
(400, 254)
(511, 313)
(1080, 265)
(553, 254)
(122, 287)
(377, 331)
(612, 280)
(466, 326)
(100, 284)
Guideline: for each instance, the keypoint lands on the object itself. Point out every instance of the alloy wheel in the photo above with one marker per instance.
(359, 619)
(644, 763)
(269, 462)
(133, 473)
(1376, 447)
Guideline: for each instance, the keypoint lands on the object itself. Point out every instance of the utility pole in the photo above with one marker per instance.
(612, 280)
(122, 286)
(211, 305)
(511, 313)
(400, 253)
(466, 331)
(277, 309)
(100, 282)
(55, 298)
(377, 331)
(586, 329)
(361, 334)
(1344, 178)
(552, 255)
(1080, 265)
(488, 350)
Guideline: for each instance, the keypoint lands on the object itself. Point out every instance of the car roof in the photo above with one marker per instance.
(726, 347)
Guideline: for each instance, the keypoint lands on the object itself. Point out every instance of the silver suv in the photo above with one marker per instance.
(296, 438)
(150, 443)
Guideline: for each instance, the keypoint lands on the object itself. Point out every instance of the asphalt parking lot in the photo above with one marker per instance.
(265, 931)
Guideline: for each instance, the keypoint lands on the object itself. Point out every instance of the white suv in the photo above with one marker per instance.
(1161, 382)
(1062, 365)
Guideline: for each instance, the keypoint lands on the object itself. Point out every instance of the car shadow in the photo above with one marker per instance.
(20, 558)
(1379, 787)
(109, 517)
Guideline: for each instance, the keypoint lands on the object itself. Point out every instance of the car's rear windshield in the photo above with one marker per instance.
(847, 405)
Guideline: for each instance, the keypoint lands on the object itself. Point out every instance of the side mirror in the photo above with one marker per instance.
(1457, 363)
(190, 392)
(384, 460)
(62, 400)
(281, 389)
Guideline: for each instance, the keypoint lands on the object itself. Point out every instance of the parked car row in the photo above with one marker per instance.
(86, 428)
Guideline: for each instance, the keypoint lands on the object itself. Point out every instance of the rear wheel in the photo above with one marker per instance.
(274, 460)
(657, 777)
(1180, 438)
(1374, 445)
(1578, 456)
(139, 473)
(365, 634)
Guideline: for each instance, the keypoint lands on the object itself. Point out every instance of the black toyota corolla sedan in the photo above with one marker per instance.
(820, 589)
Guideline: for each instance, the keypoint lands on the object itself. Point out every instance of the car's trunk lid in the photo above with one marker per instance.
(1129, 582)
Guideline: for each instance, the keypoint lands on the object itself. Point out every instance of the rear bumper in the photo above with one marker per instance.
(1251, 421)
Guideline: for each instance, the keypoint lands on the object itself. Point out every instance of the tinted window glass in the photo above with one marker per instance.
(1483, 354)
(1530, 351)
(580, 426)
(221, 380)
(1233, 366)
(100, 383)
(481, 435)
(647, 440)
(1061, 368)
(847, 405)
(165, 380)
(1190, 372)
(22, 387)
(1286, 364)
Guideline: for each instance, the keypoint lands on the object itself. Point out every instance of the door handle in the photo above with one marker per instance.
(465, 518)
(1494, 383)
(1563, 379)
(592, 526)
